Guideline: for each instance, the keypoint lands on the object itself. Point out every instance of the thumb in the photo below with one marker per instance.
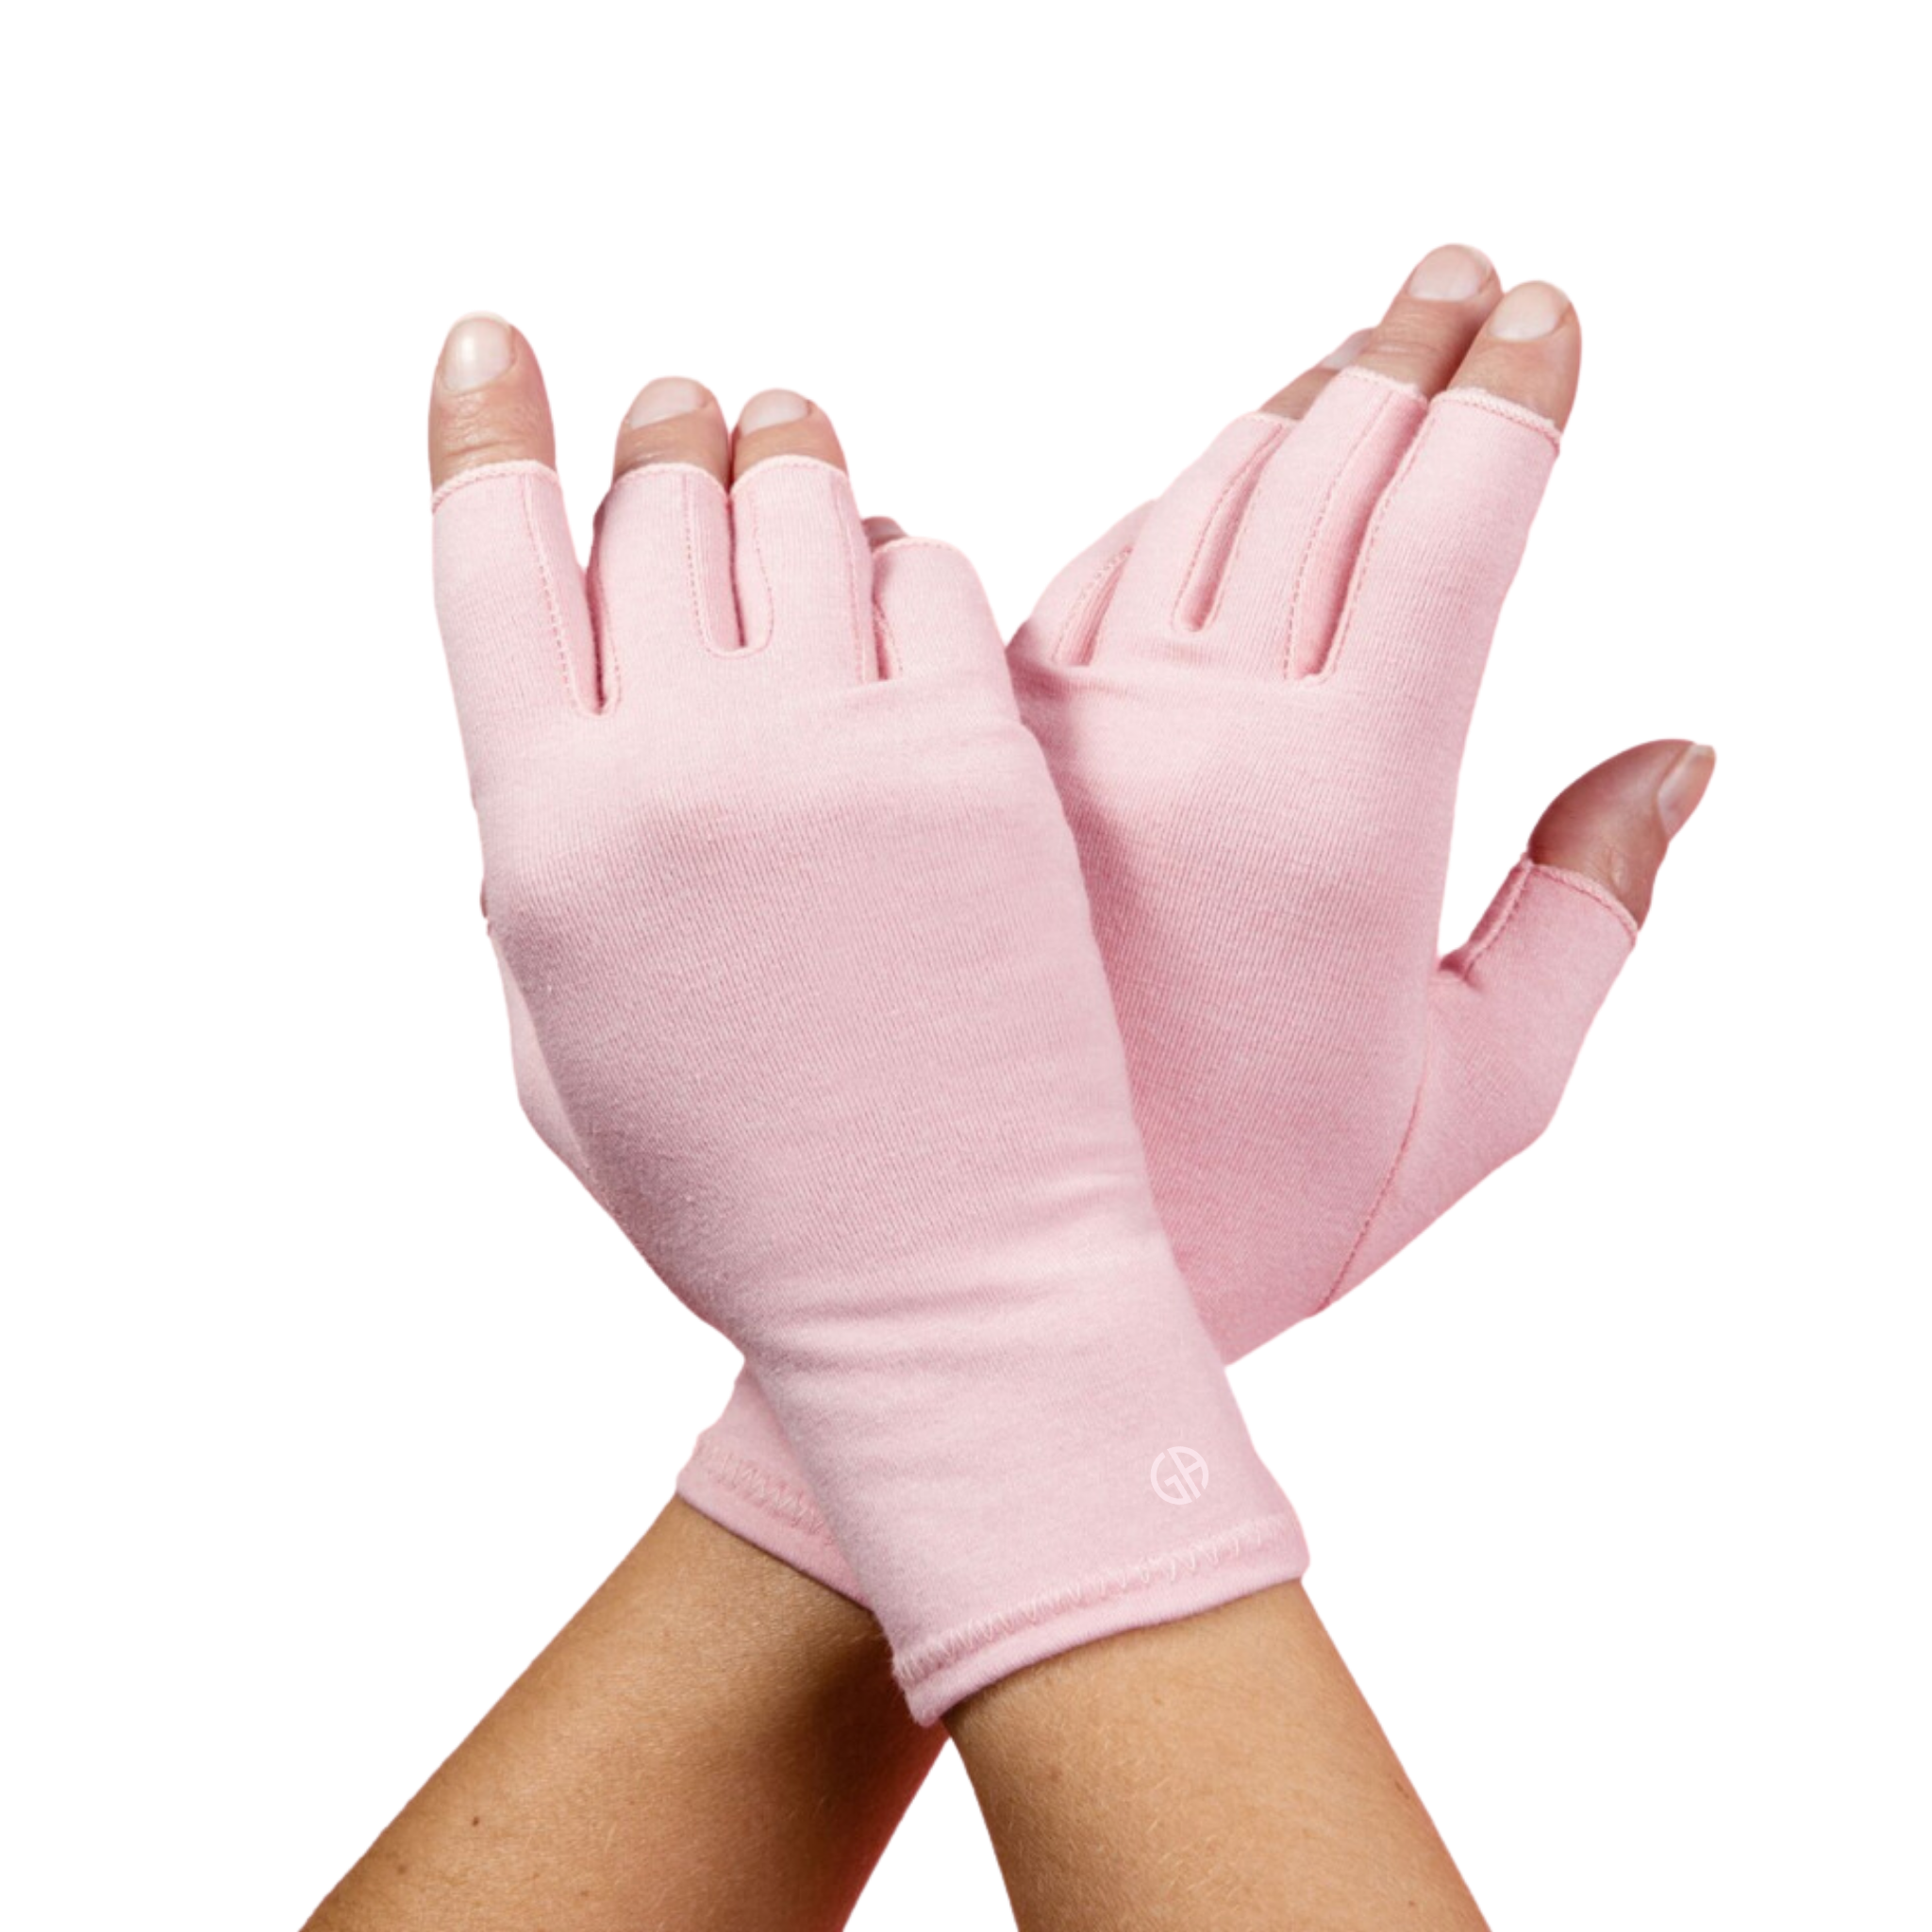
(1509, 1010)
(1615, 824)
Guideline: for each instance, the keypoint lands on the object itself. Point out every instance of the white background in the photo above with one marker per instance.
(329, 1395)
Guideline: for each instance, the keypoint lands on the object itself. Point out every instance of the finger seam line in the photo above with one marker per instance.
(1387, 1186)
(1090, 595)
(743, 539)
(1473, 396)
(885, 644)
(1589, 889)
(1246, 475)
(1309, 543)
(1378, 523)
(484, 473)
(753, 471)
(601, 636)
(1379, 378)
(553, 608)
(693, 586)
(1461, 962)
(639, 474)
(865, 649)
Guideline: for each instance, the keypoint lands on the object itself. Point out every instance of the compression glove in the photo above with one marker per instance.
(1252, 695)
(803, 985)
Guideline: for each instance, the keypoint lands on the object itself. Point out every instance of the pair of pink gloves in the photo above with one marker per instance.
(995, 1044)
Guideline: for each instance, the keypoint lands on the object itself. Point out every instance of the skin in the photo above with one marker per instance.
(713, 1743)
(716, 1741)
(1223, 1770)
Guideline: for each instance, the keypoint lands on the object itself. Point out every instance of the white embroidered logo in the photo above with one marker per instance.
(1178, 1475)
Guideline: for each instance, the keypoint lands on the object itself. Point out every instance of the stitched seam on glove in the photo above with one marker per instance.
(1590, 890)
(1382, 1193)
(1472, 398)
(1083, 617)
(1232, 501)
(1171, 1566)
(1311, 544)
(758, 1487)
(485, 472)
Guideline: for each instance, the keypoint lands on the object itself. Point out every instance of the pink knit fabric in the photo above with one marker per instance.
(1252, 695)
(803, 985)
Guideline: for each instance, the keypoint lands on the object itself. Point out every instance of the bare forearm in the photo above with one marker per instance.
(1223, 1772)
(713, 1741)
(716, 1741)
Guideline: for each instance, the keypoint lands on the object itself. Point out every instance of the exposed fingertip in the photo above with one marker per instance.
(880, 531)
(1454, 272)
(1529, 351)
(1684, 786)
(1528, 312)
(479, 348)
(782, 423)
(673, 420)
(666, 397)
(1434, 317)
(1296, 401)
(1615, 824)
(1347, 351)
(770, 409)
(487, 404)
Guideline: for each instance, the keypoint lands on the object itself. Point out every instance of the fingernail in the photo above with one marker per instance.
(479, 349)
(773, 407)
(1341, 358)
(1450, 275)
(1683, 786)
(669, 396)
(1526, 313)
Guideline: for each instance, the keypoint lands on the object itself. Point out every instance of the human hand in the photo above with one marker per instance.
(1253, 694)
(804, 987)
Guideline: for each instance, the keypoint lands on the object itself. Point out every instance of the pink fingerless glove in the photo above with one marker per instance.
(804, 987)
(1252, 695)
